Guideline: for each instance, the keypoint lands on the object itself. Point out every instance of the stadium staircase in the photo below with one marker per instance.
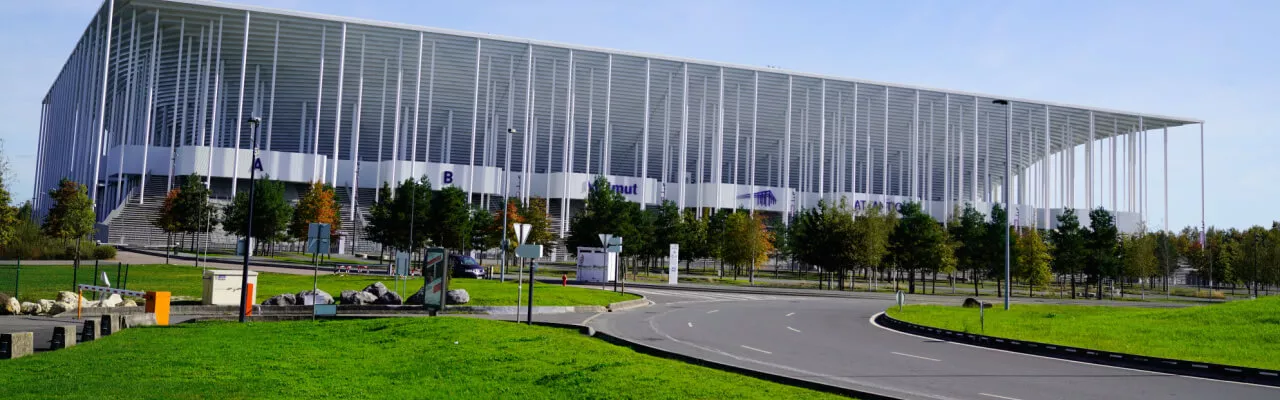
(133, 223)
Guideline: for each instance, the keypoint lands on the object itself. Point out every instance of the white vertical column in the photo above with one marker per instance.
(644, 147)
(431, 92)
(530, 125)
(973, 196)
(853, 165)
(271, 103)
(179, 75)
(946, 157)
(1088, 173)
(607, 143)
(1114, 132)
(751, 160)
(666, 137)
(355, 135)
(475, 120)
(244, 59)
(884, 155)
(102, 103)
(566, 149)
(156, 41)
(395, 125)
(786, 158)
(315, 141)
(337, 114)
(915, 149)
(684, 137)
(1044, 171)
(822, 141)
(1165, 171)
(382, 125)
(124, 127)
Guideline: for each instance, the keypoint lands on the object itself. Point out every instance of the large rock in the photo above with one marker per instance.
(357, 298)
(68, 297)
(974, 303)
(110, 301)
(377, 289)
(128, 303)
(30, 308)
(45, 306)
(457, 296)
(390, 298)
(60, 307)
(321, 297)
(416, 298)
(9, 305)
(287, 299)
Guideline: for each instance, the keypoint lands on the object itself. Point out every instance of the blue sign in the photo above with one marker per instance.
(764, 198)
(448, 177)
(621, 189)
(257, 164)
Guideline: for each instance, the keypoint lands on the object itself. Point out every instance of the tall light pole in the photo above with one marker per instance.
(506, 177)
(248, 247)
(1008, 167)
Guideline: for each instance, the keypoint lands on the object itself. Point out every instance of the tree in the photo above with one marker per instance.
(604, 212)
(693, 243)
(968, 234)
(1068, 252)
(401, 219)
(825, 236)
(535, 214)
(918, 242)
(668, 227)
(318, 205)
(1138, 254)
(871, 231)
(168, 220)
(747, 241)
(450, 219)
(486, 232)
(1102, 257)
(191, 212)
(1033, 261)
(993, 245)
(9, 216)
(271, 213)
(512, 217)
(71, 216)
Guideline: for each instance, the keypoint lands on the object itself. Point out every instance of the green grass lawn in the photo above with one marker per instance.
(1236, 333)
(438, 358)
(44, 282)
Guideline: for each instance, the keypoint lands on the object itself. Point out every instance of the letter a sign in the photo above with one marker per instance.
(257, 164)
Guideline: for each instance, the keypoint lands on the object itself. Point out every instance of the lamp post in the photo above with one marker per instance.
(506, 177)
(1008, 166)
(248, 248)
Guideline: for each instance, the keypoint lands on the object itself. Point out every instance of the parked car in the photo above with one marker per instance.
(464, 266)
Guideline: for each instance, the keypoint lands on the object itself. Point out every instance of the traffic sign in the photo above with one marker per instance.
(529, 251)
(614, 245)
(318, 238)
(522, 232)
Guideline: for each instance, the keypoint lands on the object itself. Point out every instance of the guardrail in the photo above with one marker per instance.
(1125, 360)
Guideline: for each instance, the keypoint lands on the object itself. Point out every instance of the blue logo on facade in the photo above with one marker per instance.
(764, 198)
(448, 177)
(620, 189)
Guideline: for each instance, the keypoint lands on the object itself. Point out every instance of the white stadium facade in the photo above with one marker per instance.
(156, 90)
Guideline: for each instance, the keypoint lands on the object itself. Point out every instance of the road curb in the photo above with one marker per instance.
(754, 373)
(1123, 360)
(629, 304)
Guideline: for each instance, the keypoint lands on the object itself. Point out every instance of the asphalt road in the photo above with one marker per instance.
(831, 340)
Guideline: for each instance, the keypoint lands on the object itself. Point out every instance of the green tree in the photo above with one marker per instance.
(9, 216)
(1102, 254)
(871, 230)
(535, 214)
(486, 232)
(401, 219)
(668, 228)
(192, 213)
(271, 213)
(71, 216)
(1068, 252)
(825, 236)
(993, 246)
(605, 211)
(1033, 261)
(717, 226)
(450, 219)
(693, 243)
(968, 234)
(919, 243)
(748, 243)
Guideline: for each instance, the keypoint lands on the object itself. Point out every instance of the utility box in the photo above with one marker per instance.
(595, 265)
(222, 287)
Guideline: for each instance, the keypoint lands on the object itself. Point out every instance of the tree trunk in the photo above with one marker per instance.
(1073, 286)
(975, 283)
(911, 281)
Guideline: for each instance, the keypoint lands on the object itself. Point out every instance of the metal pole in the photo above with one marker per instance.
(532, 267)
(506, 199)
(248, 248)
(95, 278)
(1008, 155)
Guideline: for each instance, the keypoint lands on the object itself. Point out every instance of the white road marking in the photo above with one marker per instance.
(690, 324)
(790, 314)
(793, 329)
(998, 397)
(922, 358)
(713, 311)
(753, 348)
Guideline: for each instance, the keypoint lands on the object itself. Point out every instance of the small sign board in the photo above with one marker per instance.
(326, 309)
(673, 264)
(614, 245)
(434, 273)
(402, 263)
(529, 251)
(318, 238)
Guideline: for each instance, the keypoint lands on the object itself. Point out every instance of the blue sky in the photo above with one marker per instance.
(1210, 60)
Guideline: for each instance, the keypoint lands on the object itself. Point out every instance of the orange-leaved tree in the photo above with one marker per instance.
(318, 205)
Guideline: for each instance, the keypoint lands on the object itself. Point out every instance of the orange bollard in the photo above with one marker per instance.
(158, 304)
(248, 300)
(79, 302)
(564, 280)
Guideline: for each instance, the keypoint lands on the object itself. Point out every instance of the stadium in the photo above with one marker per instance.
(156, 90)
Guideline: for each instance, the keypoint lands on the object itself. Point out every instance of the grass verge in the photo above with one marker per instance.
(1239, 333)
(454, 358)
(44, 282)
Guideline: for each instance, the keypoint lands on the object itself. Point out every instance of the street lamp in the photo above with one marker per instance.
(248, 248)
(506, 177)
(1008, 155)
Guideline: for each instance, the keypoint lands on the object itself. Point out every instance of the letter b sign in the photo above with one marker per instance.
(448, 177)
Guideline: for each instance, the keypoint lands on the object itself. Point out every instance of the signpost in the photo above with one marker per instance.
(530, 252)
(435, 277)
(317, 244)
(613, 244)
(673, 264)
(401, 269)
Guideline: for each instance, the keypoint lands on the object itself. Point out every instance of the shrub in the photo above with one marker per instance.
(104, 252)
